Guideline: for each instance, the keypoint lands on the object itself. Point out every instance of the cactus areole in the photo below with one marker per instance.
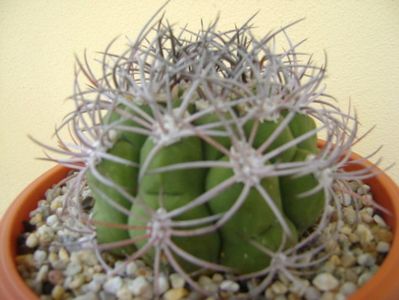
(200, 150)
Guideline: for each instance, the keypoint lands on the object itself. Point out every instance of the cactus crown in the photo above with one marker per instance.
(200, 150)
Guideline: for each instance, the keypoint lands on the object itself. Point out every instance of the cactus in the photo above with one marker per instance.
(201, 152)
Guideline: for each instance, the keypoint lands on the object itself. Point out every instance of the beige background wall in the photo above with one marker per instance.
(38, 39)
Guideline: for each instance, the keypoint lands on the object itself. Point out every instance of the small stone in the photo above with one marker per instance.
(229, 286)
(207, 284)
(379, 220)
(177, 281)
(113, 284)
(349, 215)
(383, 234)
(39, 256)
(58, 292)
(383, 247)
(367, 200)
(217, 278)
(163, 284)
(36, 219)
(63, 255)
(131, 268)
(25, 260)
(346, 199)
(52, 221)
(364, 233)
(32, 241)
(55, 276)
(335, 260)
(354, 238)
(351, 275)
(45, 234)
(328, 296)
(56, 203)
(87, 296)
(279, 288)
(348, 259)
(140, 287)
(124, 294)
(88, 257)
(311, 293)
(299, 286)
(92, 286)
(363, 189)
(365, 216)
(42, 274)
(366, 260)
(100, 278)
(325, 282)
(348, 288)
(73, 268)
(77, 281)
(175, 294)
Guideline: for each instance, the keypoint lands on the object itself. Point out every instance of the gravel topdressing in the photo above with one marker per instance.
(56, 269)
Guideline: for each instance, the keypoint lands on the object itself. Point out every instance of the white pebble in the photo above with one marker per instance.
(73, 268)
(92, 286)
(42, 274)
(113, 284)
(339, 297)
(52, 221)
(131, 268)
(363, 189)
(99, 278)
(279, 288)
(207, 284)
(325, 282)
(347, 199)
(379, 220)
(177, 280)
(163, 284)
(32, 240)
(88, 296)
(139, 286)
(77, 282)
(45, 234)
(311, 293)
(364, 234)
(39, 256)
(229, 286)
(383, 247)
(348, 288)
(366, 260)
(124, 294)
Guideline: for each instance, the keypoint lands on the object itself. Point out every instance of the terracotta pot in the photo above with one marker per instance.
(383, 285)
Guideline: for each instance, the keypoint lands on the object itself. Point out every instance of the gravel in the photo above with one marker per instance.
(56, 272)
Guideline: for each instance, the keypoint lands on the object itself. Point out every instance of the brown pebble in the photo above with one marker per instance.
(351, 275)
(348, 260)
(383, 234)
(55, 276)
(26, 260)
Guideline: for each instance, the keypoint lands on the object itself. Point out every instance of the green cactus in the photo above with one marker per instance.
(201, 152)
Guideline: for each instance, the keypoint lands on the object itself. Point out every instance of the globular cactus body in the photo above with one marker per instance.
(203, 152)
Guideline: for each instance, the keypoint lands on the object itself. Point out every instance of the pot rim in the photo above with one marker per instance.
(383, 284)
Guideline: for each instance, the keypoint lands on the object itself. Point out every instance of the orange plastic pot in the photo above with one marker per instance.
(382, 286)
